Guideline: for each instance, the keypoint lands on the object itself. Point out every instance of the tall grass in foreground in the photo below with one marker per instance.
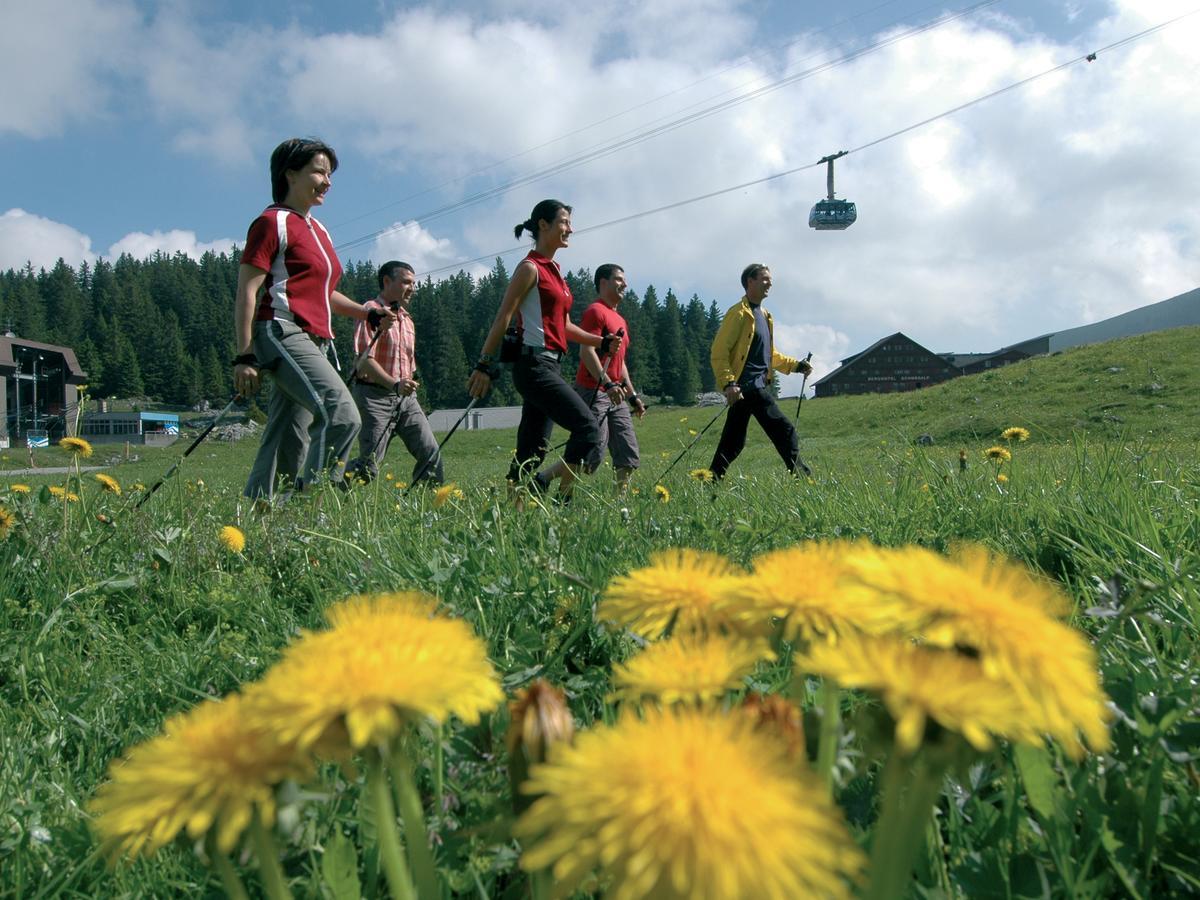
(169, 613)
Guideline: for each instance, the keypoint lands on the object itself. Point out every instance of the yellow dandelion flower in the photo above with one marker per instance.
(684, 586)
(998, 454)
(1010, 618)
(662, 494)
(682, 419)
(401, 485)
(109, 483)
(923, 684)
(810, 586)
(1016, 433)
(924, 488)
(447, 492)
(6, 522)
(686, 804)
(19, 488)
(693, 432)
(232, 539)
(387, 661)
(387, 476)
(77, 446)
(72, 497)
(704, 475)
(688, 669)
(211, 768)
(138, 486)
(58, 491)
(1001, 478)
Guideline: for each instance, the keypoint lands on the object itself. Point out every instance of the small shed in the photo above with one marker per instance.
(154, 429)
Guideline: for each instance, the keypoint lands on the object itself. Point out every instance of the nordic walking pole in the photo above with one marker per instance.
(437, 454)
(684, 451)
(803, 387)
(186, 453)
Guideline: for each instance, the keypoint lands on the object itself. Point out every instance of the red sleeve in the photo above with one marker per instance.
(591, 321)
(262, 243)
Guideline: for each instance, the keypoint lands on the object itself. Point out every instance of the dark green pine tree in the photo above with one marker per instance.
(680, 379)
(64, 304)
(29, 307)
(217, 378)
(125, 372)
(649, 373)
(699, 346)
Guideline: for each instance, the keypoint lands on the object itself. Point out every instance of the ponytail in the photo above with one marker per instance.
(547, 210)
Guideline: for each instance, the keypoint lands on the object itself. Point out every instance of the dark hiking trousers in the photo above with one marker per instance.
(548, 401)
(759, 403)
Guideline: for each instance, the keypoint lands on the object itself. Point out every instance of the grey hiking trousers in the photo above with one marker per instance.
(311, 419)
(384, 416)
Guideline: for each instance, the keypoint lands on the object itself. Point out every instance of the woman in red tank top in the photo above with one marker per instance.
(540, 295)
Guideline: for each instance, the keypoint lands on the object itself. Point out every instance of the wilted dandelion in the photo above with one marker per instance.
(997, 454)
(1016, 433)
(232, 539)
(662, 494)
(539, 719)
(387, 662)
(776, 717)
(77, 446)
(109, 483)
(704, 475)
(689, 669)
(212, 767)
(687, 587)
(686, 804)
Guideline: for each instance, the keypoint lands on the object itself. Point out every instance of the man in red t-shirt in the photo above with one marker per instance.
(604, 382)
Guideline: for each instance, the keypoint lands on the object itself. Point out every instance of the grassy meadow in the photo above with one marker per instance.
(114, 620)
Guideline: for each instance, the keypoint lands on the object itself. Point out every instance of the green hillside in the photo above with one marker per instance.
(1141, 387)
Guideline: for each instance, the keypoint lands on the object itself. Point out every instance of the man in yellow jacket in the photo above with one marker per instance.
(744, 361)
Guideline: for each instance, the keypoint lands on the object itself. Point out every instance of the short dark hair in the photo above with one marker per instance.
(294, 154)
(547, 209)
(751, 272)
(388, 270)
(605, 273)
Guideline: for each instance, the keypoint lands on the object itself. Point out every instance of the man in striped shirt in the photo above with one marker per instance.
(384, 386)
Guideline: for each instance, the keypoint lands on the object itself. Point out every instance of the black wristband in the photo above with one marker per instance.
(606, 343)
(608, 386)
(245, 359)
(488, 368)
(634, 397)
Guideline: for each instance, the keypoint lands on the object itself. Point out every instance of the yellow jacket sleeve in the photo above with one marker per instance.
(722, 349)
(782, 363)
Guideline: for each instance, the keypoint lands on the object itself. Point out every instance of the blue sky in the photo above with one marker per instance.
(133, 126)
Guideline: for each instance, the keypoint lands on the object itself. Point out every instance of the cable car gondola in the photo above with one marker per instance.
(832, 214)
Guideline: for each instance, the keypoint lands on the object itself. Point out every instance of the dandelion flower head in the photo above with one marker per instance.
(232, 539)
(387, 661)
(687, 587)
(701, 805)
(446, 492)
(211, 768)
(1010, 618)
(76, 445)
(662, 494)
(6, 522)
(57, 490)
(19, 488)
(1001, 478)
(704, 475)
(811, 587)
(920, 684)
(109, 483)
(1015, 433)
(998, 453)
(689, 669)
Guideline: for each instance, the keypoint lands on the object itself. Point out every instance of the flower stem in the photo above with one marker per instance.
(391, 852)
(419, 855)
(274, 885)
(234, 889)
(900, 831)
(439, 765)
(831, 732)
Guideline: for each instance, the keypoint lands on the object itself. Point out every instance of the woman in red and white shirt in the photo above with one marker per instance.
(283, 308)
(539, 296)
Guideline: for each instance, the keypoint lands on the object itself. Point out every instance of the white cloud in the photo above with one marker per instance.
(26, 238)
(58, 59)
(140, 245)
(411, 243)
